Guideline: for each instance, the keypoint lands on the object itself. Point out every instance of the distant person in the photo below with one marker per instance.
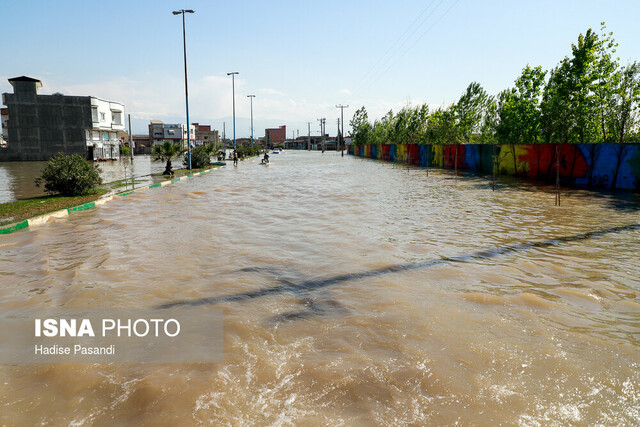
(265, 159)
(235, 158)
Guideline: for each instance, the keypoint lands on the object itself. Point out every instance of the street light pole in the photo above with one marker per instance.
(342, 107)
(233, 88)
(186, 85)
(251, 98)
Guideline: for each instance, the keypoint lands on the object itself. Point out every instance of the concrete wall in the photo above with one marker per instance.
(598, 166)
(41, 126)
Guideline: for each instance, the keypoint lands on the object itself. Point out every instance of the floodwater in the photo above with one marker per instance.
(17, 178)
(354, 292)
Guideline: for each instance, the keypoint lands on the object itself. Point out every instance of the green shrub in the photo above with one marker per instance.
(69, 175)
(248, 150)
(200, 156)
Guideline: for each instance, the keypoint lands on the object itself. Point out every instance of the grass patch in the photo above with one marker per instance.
(180, 172)
(122, 183)
(22, 209)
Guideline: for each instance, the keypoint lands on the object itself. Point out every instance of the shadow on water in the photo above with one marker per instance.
(314, 307)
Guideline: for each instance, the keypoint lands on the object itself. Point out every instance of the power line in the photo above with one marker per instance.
(382, 58)
(400, 55)
(391, 59)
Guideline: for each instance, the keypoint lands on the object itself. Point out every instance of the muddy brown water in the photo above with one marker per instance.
(17, 178)
(395, 298)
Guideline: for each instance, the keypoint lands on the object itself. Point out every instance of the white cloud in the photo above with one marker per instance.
(269, 91)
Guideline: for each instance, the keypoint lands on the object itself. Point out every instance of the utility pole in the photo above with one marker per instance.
(233, 92)
(309, 137)
(130, 140)
(186, 86)
(322, 122)
(251, 98)
(338, 136)
(224, 139)
(342, 107)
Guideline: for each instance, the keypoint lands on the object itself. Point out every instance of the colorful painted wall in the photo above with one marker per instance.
(598, 166)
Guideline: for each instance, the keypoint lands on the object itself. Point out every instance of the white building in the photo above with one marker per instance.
(160, 131)
(107, 119)
(4, 115)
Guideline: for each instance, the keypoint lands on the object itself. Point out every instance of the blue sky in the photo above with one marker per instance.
(300, 58)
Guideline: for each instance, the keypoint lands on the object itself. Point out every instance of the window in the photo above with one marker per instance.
(94, 114)
(105, 135)
(116, 117)
(102, 117)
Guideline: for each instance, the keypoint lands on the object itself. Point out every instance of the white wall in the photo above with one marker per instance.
(108, 114)
(5, 127)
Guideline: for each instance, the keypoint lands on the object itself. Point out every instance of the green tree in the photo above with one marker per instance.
(520, 114)
(442, 127)
(166, 152)
(624, 103)
(382, 131)
(578, 92)
(607, 73)
(470, 110)
(200, 156)
(409, 125)
(489, 123)
(360, 127)
(69, 175)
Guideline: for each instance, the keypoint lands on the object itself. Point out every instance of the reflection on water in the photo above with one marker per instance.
(354, 292)
(17, 178)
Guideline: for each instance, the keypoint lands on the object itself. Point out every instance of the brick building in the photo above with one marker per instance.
(205, 135)
(275, 136)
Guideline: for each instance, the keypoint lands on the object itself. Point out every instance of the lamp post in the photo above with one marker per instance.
(186, 86)
(342, 107)
(251, 98)
(233, 88)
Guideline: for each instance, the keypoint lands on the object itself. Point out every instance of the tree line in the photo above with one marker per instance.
(589, 97)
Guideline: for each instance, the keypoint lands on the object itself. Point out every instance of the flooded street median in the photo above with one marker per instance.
(354, 292)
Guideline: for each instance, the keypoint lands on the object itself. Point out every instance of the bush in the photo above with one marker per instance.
(69, 175)
(200, 156)
(248, 150)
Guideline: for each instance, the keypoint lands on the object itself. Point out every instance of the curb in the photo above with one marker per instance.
(43, 219)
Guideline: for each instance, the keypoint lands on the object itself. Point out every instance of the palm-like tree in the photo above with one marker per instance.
(165, 153)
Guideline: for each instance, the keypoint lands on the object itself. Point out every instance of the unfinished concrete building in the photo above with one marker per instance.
(40, 126)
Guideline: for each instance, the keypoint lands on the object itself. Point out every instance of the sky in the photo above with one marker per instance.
(299, 58)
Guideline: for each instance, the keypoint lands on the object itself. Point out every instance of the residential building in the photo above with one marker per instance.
(176, 133)
(275, 136)
(40, 126)
(205, 135)
(4, 135)
(141, 144)
(4, 114)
